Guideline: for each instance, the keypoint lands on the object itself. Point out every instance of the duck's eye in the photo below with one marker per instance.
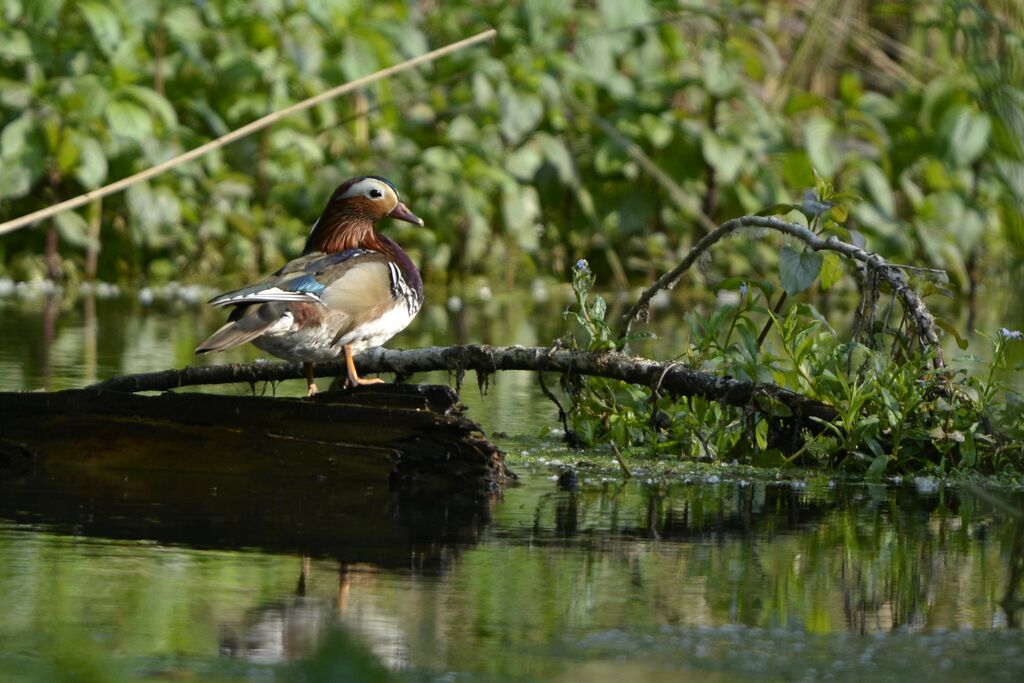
(376, 194)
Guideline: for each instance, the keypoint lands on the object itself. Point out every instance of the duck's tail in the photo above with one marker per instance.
(245, 324)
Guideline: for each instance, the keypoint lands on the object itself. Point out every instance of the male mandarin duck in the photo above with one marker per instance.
(352, 289)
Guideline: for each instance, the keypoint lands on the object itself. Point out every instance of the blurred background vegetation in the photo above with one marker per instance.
(615, 131)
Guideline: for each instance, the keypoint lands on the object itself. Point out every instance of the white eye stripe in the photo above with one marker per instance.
(368, 187)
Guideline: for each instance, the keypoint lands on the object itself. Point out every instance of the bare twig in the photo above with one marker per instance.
(245, 130)
(924, 322)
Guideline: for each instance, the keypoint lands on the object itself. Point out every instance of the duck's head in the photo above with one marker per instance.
(347, 220)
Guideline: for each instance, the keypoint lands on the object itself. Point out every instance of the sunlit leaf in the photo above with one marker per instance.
(43, 11)
(524, 162)
(15, 136)
(15, 45)
(155, 102)
(184, 24)
(521, 208)
(878, 188)
(968, 135)
(67, 153)
(821, 146)
(617, 14)
(15, 180)
(73, 229)
(520, 113)
(724, 156)
(831, 269)
(557, 154)
(103, 23)
(129, 120)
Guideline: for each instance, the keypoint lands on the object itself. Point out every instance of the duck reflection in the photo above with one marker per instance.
(290, 630)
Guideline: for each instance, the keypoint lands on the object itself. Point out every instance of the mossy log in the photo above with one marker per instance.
(413, 438)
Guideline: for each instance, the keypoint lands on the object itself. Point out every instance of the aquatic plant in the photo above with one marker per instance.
(898, 407)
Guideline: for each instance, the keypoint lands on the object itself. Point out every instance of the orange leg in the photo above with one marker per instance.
(354, 379)
(310, 380)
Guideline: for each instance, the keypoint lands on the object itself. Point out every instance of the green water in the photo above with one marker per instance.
(700, 576)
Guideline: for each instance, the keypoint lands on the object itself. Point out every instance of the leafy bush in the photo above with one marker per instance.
(897, 409)
(522, 156)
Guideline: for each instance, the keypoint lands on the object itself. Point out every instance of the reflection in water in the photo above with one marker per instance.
(595, 581)
(517, 586)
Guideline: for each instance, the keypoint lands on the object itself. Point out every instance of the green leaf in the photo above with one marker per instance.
(67, 153)
(358, 60)
(831, 269)
(557, 154)
(129, 120)
(184, 25)
(15, 94)
(777, 210)
(463, 129)
(15, 45)
(15, 135)
(724, 156)
(968, 450)
(520, 113)
(949, 328)
(600, 308)
(878, 188)
(618, 14)
(15, 180)
(156, 103)
(73, 229)
(798, 270)
(42, 11)
(821, 148)
(524, 162)
(658, 130)
(969, 134)
(521, 208)
(877, 468)
(104, 25)
(92, 163)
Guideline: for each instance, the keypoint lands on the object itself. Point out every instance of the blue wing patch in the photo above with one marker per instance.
(305, 284)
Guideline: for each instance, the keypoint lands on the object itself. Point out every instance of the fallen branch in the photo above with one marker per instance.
(924, 322)
(668, 377)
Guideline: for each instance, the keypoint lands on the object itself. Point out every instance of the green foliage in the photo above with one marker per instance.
(895, 413)
(507, 150)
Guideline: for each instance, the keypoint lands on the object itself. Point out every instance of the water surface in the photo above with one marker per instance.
(143, 576)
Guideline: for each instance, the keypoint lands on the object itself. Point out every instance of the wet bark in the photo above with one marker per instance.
(667, 377)
(411, 438)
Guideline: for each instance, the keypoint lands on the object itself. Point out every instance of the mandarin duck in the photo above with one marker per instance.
(352, 289)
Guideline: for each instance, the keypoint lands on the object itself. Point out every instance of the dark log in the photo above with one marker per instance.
(413, 438)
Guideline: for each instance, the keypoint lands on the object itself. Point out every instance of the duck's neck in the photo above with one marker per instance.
(359, 233)
(332, 234)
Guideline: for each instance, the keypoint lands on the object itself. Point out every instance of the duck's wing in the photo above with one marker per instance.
(302, 279)
(349, 289)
